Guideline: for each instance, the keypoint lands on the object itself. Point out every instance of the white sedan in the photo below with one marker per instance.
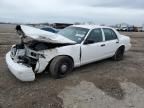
(59, 53)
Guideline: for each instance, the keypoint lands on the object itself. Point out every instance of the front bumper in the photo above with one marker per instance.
(21, 71)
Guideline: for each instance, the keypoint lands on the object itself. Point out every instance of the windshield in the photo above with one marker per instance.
(76, 34)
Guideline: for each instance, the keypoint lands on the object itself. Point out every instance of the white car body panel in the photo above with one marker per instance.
(71, 51)
(125, 40)
(80, 53)
(92, 52)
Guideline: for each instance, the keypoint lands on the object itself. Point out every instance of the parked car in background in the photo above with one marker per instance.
(50, 29)
(143, 28)
(59, 53)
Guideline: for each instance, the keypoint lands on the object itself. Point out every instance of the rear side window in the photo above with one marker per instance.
(109, 34)
(96, 35)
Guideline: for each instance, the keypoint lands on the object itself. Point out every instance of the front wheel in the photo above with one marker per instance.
(60, 66)
(119, 54)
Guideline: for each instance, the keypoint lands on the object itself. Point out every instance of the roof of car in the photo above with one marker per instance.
(90, 26)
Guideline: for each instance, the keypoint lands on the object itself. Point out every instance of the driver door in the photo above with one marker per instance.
(92, 48)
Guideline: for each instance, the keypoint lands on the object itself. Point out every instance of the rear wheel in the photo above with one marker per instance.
(119, 54)
(60, 66)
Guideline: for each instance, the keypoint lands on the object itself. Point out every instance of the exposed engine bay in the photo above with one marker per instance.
(38, 46)
(21, 54)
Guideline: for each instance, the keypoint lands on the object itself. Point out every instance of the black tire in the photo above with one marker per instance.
(60, 66)
(119, 54)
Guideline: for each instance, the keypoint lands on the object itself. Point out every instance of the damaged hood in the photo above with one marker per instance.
(41, 35)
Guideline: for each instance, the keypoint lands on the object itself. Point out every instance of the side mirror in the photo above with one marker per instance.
(89, 41)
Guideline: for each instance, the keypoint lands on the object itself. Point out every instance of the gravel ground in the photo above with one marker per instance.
(103, 84)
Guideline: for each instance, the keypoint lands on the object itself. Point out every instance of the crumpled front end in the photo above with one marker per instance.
(22, 72)
(24, 62)
(29, 58)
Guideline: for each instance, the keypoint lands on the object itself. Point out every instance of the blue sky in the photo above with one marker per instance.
(97, 11)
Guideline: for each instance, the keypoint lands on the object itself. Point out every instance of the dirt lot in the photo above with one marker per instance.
(104, 84)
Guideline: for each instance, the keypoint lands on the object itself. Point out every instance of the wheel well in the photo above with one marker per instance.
(47, 67)
(122, 46)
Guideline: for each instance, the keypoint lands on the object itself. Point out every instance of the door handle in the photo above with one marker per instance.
(117, 42)
(103, 45)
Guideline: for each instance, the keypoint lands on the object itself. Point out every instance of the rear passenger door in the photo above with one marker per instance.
(111, 42)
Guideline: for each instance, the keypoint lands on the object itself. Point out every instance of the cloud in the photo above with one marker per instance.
(137, 4)
(108, 11)
(111, 3)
